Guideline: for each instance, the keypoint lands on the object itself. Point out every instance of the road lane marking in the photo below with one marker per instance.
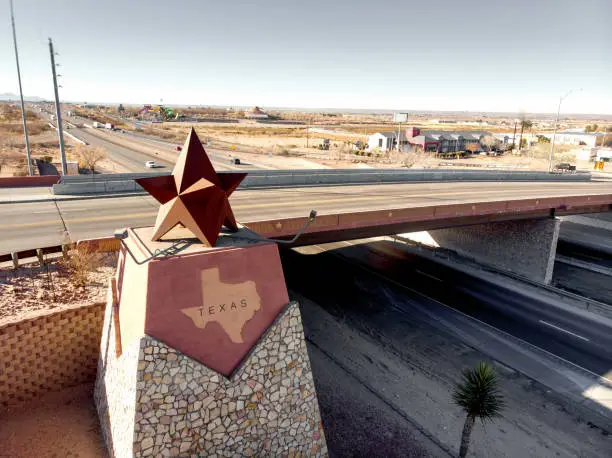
(38, 223)
(563, 330)
(483, 323)
(596, 258)
(110, 217)
(428, 275)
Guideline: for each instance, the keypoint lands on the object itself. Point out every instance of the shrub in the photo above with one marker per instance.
(78, 264)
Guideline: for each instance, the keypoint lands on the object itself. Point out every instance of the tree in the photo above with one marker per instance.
(121, 108)
(478, 395)
(543, 139)
(90, 157)
(489, 141)
(588, 128)
(525, 124)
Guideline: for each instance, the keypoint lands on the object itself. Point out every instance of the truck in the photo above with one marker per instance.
(96, 124)
(108, 126)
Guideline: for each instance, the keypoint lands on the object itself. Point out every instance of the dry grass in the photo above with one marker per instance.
(15, 129)
(12, 112)
(79, 264)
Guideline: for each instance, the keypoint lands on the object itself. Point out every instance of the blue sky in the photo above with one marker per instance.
(477, 55)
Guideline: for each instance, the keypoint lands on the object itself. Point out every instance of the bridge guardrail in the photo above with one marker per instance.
(124, 182)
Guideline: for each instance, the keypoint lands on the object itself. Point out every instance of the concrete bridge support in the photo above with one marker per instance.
(525, 247)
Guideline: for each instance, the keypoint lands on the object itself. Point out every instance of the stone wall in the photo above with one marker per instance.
(268, 407)
(50, 352)
(524, 247)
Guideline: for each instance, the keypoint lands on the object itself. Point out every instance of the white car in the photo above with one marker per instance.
(150, 164)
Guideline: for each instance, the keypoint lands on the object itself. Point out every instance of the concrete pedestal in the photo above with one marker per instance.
(202, 355)
(526, 247)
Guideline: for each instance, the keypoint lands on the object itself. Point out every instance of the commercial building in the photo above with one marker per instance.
(413, 139)
(591, 139)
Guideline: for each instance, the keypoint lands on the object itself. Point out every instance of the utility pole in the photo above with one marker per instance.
(23, 113)
(399, 135)
(552, 147)
(308, 133)
(58, 112)
(514, 136)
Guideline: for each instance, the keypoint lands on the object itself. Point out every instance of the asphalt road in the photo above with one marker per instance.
(148, 148)
(585, 253)
(333, 278)
(100, 217)
(133, 160)
(125, 158)
(588, 237)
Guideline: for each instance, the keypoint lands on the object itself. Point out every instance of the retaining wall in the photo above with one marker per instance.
(294, 178)
(50, 352)
(525, 247)
(45, 180)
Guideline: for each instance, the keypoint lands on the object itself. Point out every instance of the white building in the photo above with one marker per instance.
(591, 139)
(386, 141)
(602, 154)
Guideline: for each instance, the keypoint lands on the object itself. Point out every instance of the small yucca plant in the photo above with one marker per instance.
(478, 395)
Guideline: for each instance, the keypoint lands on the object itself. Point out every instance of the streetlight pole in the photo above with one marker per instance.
(58, 112)
(23, 113)
(552, 148)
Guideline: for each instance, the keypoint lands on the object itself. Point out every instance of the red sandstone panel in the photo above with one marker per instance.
(45, 180)
(214, 305)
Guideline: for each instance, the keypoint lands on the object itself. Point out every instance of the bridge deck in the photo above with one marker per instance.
(344, 211)
(362, 211)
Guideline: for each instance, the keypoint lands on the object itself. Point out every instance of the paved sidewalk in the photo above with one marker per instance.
(44, 194)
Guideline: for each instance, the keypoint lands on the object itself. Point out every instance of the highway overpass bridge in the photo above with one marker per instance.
(511, 225)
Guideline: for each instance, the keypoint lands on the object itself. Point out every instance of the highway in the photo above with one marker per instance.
(125, 158)
(584, 253)
(130, 151)
(594, 239)
(132, 159)
(380, 280)
(31, 225)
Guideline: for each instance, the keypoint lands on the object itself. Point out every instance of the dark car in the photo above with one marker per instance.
(565, 167)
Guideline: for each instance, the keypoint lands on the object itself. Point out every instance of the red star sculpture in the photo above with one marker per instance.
(194, 195)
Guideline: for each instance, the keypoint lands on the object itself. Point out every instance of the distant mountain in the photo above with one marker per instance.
(8, 96)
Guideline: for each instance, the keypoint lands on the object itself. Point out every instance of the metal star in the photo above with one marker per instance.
(194, 195)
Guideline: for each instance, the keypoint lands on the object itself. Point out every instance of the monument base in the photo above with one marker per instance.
(155, 400)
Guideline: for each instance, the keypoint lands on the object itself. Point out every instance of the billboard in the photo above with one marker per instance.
(400, 117)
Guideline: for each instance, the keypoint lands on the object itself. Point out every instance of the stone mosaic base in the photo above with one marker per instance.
(182, 408)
